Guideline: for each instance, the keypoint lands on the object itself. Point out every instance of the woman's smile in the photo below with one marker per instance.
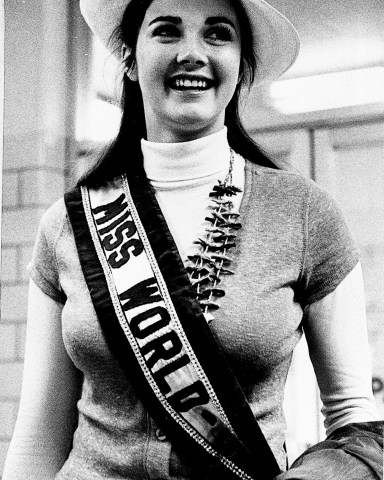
(190, 83)
(187, 64)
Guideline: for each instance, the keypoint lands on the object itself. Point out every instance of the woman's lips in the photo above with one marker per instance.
(190, 83)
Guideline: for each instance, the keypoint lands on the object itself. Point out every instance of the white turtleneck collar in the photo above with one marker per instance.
(173, 164)
(183, 175)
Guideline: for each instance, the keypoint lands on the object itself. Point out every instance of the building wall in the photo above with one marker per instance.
(38, 143)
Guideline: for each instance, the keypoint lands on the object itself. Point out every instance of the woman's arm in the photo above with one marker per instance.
(336, 332)
(50, 389)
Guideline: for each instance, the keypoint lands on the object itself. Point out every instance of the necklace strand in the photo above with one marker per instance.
(205, 267)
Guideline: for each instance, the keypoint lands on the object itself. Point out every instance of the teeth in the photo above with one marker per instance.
(186, 83)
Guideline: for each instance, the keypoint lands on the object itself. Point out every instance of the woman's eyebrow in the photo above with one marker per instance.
(178, 20)
(167, 18)
(214, 20)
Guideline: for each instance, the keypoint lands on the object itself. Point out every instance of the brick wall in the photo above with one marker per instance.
(25, 197)
(38, 146)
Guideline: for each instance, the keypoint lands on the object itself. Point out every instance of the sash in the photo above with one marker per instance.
(157, 331)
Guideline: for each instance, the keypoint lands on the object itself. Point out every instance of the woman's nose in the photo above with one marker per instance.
(191, 54)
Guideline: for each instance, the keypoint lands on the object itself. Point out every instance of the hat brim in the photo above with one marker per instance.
(276, 41)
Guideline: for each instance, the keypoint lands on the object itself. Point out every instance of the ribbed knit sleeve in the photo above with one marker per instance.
(43, 268)
(329, 249)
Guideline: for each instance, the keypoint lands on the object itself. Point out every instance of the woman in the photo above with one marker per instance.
(160, 332)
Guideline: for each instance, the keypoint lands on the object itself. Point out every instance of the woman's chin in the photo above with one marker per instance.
(189, 122)
(183, 124)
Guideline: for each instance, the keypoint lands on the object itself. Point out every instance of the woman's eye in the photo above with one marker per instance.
(166, 31)
(220, 33)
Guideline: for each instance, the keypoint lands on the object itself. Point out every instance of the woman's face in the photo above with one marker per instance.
(187, 64)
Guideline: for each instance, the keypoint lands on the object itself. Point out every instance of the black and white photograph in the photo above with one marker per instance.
(192, 239)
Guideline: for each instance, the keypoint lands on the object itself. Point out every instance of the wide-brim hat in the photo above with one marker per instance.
(276, 41)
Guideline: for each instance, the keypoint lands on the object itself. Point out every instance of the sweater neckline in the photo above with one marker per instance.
(176, 163)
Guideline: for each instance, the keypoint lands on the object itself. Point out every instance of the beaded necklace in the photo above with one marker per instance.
(205, 267)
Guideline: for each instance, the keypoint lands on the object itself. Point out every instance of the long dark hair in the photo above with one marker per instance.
(126, 146)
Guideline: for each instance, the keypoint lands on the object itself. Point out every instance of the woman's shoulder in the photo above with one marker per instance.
(286, 185)
(278, 175)
(55, 212)
(290, 190)
(54, 218)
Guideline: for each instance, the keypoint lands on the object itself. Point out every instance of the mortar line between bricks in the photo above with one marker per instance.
(29, 206)
(37, 168)
(18, 342)
(16, 345)
(9, 362)
(14, 283)
(20, 186)
(18, 262)
(5, 245)
(15, 400)
(10, 322)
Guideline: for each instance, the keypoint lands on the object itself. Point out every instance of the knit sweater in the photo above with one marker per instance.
(293, 250)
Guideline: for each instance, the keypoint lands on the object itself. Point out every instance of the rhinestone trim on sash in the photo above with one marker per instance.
(145, 309)
(199, 426)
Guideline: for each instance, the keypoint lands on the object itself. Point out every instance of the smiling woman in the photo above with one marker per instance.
(188, 66)
(147, 24)
(170, 287)
(174, 54)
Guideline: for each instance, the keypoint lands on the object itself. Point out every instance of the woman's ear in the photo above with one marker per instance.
(131, 71)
